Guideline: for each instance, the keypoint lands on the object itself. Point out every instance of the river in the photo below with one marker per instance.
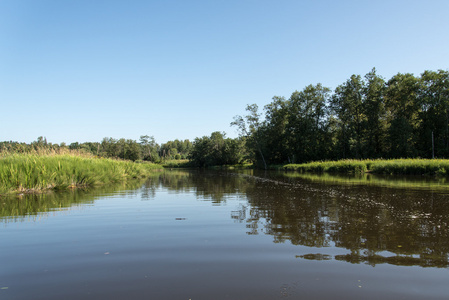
(230, 235)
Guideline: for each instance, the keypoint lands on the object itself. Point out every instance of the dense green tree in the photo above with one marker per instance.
(434, 101)
(251, 130)
(401, 100)
(129, 149)
(122, 148)
(216, 150)
(176, 148)
(346, 103)
(276, 143)
(93, 148)
(149, 148)
(307, 123)
(375, 123)
(109, 147)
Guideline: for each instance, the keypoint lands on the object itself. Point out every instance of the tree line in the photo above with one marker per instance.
(364, 117)
(145, 149)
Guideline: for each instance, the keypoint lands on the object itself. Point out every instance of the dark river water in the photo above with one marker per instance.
(230, 235)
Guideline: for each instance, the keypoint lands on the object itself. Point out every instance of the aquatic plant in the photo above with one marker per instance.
(32, 172)
(394, 166)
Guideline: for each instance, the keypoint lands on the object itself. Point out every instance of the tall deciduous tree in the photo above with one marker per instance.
(250, 127)
(307, 122)
(402, 105)
(434, 102)
(347, 105)
(375, 123)
(149, 148)
(216, 150)
(277, 145)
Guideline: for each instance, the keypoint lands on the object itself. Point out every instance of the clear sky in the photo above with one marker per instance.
(84, 70)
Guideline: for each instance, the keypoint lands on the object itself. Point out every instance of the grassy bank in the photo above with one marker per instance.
(395, 166)
(393, 181)
(22, 173)
(176, 163)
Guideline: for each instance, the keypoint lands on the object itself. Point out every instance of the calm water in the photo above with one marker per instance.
(224, 235)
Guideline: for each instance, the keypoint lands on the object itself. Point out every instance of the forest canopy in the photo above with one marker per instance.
(364, 117)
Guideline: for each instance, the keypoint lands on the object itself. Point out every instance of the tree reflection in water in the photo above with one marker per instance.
(377, 224)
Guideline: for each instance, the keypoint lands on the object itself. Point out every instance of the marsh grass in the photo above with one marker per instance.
(25, 173)
(396, 166)
(394, 181)
(176, 163)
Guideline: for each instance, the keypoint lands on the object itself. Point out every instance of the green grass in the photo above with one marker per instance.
(399, 181)
(176, 163)
(394, 166)
(24, 173)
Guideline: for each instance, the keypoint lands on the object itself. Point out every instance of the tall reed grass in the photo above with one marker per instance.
(39, 172)
(395, 166)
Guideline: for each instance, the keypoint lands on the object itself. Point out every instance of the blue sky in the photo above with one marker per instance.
(84, 70)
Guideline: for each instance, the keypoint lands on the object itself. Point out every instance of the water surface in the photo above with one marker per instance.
(229, 235)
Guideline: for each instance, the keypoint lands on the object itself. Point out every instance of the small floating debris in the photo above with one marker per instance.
(315, 256)
(180, 219)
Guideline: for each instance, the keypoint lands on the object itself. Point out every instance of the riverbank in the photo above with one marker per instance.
(394, 167)
(34, 173)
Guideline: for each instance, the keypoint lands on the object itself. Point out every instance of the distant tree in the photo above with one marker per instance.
(74, 146)
(375, 122)
(401, 100)
(216, 150)
(109, 147)
(434, 114)
(276, 142)
(250, 129)
(90, 147)
(171, 149)
(40, 143)
(346, 103)
(307, 122)
(149, 148)
(128, 149)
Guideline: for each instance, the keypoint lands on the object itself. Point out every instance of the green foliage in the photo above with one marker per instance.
(365, 117)
(394, 166)
(401, 100)
(176, 149)
(347, 105)
(176, 163)
(216, 150)
(122, 148)
(374, 126)
(404, 182)
(306, 123)
(149, 148)
(342, 166)
(31, 172)
(251, 130)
